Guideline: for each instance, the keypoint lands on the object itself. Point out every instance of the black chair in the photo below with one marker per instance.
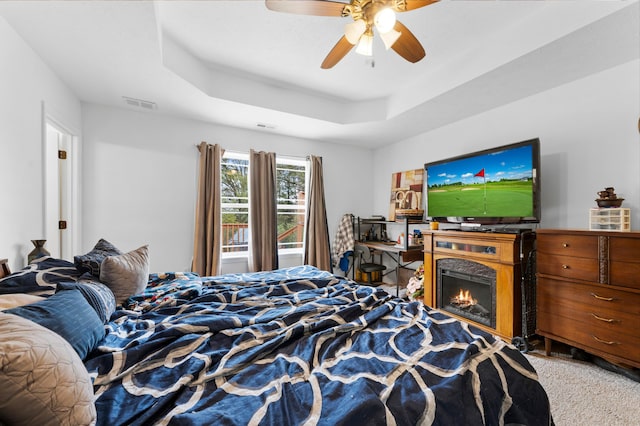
(369, 267)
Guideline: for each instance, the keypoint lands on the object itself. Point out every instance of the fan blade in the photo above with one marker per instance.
(307, 7)
(406, 5)
(338, 52)
(407, 44)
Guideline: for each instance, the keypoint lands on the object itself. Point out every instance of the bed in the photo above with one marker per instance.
(287, 347)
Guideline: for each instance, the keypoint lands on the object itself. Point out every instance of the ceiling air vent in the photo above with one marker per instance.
(266, 126)
(140, 103)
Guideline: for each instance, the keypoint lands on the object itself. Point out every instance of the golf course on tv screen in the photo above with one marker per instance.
(490, 185)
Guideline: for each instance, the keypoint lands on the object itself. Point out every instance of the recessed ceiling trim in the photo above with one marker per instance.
(222, 83)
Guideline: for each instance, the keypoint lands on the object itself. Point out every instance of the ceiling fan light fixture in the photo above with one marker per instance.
(365, 45)
(384, 20)
(354, 30)
(389, 38)
(368, 16)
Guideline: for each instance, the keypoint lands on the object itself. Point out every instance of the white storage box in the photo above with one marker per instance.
(610, 219)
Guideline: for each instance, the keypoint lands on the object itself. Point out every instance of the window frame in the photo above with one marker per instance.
(280, 160)
(300, 162)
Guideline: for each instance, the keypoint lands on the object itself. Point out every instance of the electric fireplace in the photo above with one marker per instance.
(466, 289)
(487, 267)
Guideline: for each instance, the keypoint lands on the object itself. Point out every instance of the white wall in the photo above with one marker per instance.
(26, 84)
(589, 137)
(140, 179)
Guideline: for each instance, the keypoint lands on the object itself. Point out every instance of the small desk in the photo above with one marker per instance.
(401, 256)
(4, 268)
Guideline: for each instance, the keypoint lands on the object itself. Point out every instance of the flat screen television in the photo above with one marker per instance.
(497, 186)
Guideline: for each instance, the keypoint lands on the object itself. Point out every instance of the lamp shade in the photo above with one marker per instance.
(389, 38)
(365, 46)
(354, 30)
(384, 20)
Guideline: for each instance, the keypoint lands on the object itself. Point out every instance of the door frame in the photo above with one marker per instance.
(72, 241)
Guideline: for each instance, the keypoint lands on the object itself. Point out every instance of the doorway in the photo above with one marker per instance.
(60, 193)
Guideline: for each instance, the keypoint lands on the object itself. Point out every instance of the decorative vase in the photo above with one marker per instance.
(38, 251)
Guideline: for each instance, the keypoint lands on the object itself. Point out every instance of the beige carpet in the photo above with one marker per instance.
(581, 393)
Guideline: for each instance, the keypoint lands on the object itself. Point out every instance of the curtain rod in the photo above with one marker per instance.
(199, 144)
(308, 157)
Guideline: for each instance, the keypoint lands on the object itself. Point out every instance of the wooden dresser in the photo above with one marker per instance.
(588, 292)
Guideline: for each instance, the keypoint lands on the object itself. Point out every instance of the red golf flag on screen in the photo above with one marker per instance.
(480, 174)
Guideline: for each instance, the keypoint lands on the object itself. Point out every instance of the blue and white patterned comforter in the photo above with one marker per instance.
(301, 346)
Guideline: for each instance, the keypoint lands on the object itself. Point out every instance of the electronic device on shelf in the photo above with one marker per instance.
(497, 186)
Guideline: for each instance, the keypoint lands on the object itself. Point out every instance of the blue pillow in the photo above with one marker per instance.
(68, 314)
(98, 295)
(91, 261)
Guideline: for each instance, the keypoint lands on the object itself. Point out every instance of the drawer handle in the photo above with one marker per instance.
(605, 341)
(606, 299)
(602, 319)
(565, 245)
(565, 266)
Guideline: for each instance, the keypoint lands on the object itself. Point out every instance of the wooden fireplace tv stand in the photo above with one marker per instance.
(504, 253)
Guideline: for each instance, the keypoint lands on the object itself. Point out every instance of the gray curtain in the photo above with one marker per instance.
(317, 251)
(208, 227)
(263, 208)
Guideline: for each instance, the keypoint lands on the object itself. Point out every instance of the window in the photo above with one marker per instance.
(291, 182)
(291, 177)
(235, 203)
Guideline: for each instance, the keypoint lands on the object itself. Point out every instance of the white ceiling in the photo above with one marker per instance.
(239, 64)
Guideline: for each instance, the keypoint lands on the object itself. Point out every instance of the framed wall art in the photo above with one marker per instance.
(406, 195)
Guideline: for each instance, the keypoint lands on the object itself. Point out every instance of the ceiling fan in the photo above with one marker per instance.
(367, 15)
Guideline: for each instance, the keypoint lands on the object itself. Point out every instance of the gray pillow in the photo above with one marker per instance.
(91, 261)
(126, 274)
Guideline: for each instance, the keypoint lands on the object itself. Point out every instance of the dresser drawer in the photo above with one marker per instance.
(579, 268)
(613, 342)
(568, 245)
(624, 249)
(595, 307)
(624, 261)
(625, 274)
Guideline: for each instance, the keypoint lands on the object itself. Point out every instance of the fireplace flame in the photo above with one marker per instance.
(464, 299)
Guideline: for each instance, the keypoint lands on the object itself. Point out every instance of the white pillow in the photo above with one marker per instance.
(44, 382)
(126, 274)
(8, 301)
